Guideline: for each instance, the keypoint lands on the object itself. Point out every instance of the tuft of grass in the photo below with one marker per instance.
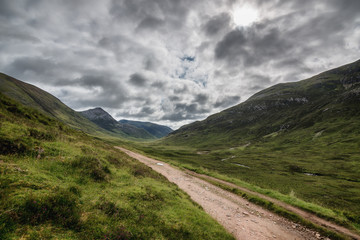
(60, 207)
(92, 167)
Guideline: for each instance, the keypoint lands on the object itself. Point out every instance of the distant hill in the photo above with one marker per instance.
(103, 119)
(156, 130)
(326, 99)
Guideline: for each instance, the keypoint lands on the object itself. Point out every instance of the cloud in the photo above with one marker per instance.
(217, 24)
(252, 46)
(137, 79)
(226, 101)
(150, 23)
(201, 98)
(171, 61)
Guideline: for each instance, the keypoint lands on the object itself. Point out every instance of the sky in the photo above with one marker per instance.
(172, 61)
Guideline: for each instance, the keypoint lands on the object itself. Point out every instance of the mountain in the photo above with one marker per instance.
(156, 130)
(32, 96)
(106, 121)
(299, 139)
(332, 96)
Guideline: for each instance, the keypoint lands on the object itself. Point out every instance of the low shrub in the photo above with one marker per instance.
(41, 135)
(8, 146)
(62, 208)
(92, 167)
(117, 162)
(119, 233)
(140, 170)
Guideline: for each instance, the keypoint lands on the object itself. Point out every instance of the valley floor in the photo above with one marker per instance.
(240, 217)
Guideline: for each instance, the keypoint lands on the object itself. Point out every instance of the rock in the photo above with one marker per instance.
(317, 235)
(246, 213)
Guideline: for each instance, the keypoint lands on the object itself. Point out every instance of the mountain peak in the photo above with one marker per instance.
(97, 114)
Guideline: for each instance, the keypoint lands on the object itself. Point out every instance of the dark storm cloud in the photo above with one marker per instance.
(158, 85)
(217, 24)
(174, 12)
(144, 112)
(105, 91)
(9, 34)
(260, 79)
(252, 46)
(37, 65)
(201, 98)
(151, 63)
(8, 9)
(174, 98)
(183, 111)
(138, 80)
(150, 23)
(227, 101)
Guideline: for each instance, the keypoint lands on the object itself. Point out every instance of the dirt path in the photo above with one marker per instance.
(306, 215)
(240, 217)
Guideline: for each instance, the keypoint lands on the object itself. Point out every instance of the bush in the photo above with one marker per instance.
(92, 167)
(41, 135)
(7, 225)
(352, 217)
(117, 162)
(140, 170)
(62, 208)
(119, 233)
(12, 147)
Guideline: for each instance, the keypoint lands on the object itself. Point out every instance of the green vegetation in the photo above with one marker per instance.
(50, 106)
(277, 209)
(298, 142)
(59, 183)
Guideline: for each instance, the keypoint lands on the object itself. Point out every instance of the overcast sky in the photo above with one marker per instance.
(172, 61)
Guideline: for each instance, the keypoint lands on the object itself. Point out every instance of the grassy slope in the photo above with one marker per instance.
(296, 151)
(32, 96)
(56, 182)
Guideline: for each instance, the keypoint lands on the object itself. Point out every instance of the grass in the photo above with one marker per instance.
(56, 182)
(278, 210)
(321, 183)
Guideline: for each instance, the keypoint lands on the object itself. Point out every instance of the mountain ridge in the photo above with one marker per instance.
(103, 119)
(154, 129)
(272, 107)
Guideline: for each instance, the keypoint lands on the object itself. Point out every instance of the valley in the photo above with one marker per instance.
(292, 149)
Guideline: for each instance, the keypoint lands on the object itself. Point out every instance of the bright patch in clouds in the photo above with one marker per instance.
(245, 16)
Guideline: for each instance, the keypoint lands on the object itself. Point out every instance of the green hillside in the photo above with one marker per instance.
(59, 183)
(156, 130)
(34, 97)
(332, 96)
(299, 140)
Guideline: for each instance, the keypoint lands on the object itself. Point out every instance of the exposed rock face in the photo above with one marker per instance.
(97, 114)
